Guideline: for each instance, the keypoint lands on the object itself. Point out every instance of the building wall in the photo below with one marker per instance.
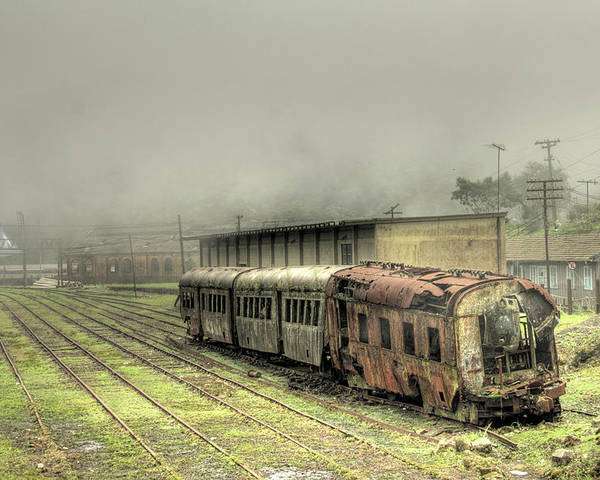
(446, 242)
(115, 268)
(461, 242)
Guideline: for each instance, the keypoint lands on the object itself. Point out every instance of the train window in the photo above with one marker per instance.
(363, 328)
(257, 307)
(315, 317)
(302, 307)
(295, 310)
(245, 313)
(191, 300)
(308, 315)
(238, 302)
(287, 314)
(434, 344)
(408, 333)
(268, 307)
(224, 303)
(386, 338)
(203, 301)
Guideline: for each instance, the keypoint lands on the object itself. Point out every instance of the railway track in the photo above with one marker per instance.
(202, 391)
(167, 350)
(141, 392)
(302, 380)
(109, 300)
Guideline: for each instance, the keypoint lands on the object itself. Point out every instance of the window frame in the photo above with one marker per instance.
(588, 276)
(436, 336)
(363, 327)
(406, 327)
(387, 345)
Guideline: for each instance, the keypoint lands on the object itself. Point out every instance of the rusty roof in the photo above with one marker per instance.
(405, 286)
(580, 247)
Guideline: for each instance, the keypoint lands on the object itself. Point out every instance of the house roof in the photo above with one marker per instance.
(564, 248)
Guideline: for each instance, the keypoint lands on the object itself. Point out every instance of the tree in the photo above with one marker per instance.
(480, 195)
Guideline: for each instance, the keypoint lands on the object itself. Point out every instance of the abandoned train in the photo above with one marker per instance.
(471, 346)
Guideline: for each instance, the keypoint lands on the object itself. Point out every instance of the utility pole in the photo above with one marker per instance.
(239, 222)
(132, 266)
(21, 222)
(547, 144)
(181, 245)
(544, 190)
(587, 192)
(498, 147)
(60, 262)
(392, 211)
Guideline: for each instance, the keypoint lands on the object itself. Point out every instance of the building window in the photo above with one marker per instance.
(154, 266)
(588, 283)
(114, 267)
(363, 328)
(386, 338)
(553, 276)
(346, 250)
(127, 265)
(434, 344)
(572, 275)
(168, 265)
(408, 334)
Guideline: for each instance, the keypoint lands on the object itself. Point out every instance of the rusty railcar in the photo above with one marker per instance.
(467, 345)
(206, 302)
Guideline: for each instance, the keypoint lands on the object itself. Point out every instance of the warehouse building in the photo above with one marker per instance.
(452, 241)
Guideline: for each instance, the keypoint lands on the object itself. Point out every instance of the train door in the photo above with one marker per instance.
(279, 320)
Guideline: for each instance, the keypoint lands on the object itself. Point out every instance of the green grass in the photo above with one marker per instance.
(571, 320)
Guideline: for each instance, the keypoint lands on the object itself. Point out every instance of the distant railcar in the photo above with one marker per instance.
(466, 345)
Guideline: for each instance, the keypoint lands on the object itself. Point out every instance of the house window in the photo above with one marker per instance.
(408, 334)
(363, 328)
(572, 275)
(433, 335)
(587, 278)
(553, 276)
(346, 250)
(386, 338)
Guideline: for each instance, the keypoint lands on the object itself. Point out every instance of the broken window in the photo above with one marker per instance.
(408, 334)
(301, 307)
(294, 310)
(386, 338)
(433, 335)
(363, 328)
(317, 307)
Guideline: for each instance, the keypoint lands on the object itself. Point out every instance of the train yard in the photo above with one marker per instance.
(103, 386)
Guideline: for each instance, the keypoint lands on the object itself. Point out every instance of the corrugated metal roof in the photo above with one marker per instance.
(563, 248)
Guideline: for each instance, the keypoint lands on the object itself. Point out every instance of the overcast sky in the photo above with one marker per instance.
(123, 111)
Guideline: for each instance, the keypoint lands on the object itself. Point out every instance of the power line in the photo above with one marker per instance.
(545, 190)
(498, 147)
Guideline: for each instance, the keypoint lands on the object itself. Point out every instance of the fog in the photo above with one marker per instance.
(131, 112)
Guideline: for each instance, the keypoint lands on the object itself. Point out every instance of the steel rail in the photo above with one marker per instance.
(200, 390)
(157, 404)
(89, 389)
(20, 381)
(111, 301)
(284, 405)
(118, 299)
(143, 322)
